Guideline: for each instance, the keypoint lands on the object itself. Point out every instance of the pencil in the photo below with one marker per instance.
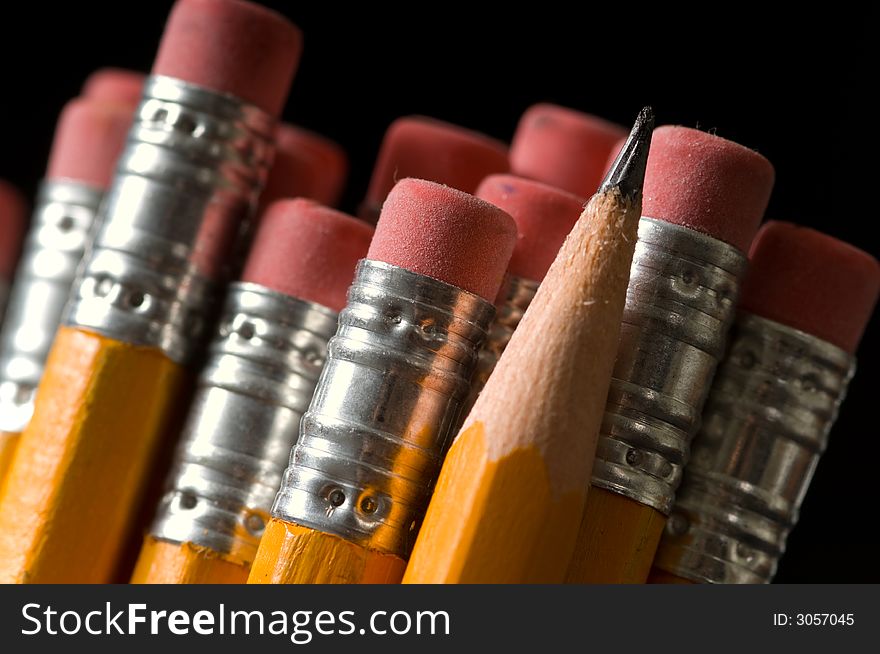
(256, 384)
(704, 197)
(88, 139)
(194, 164)
(511, 493)
(434, 150)
(544, 216)
(805, 305)
(398, 370)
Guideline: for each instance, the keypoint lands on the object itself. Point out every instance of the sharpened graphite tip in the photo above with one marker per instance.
(628, 170)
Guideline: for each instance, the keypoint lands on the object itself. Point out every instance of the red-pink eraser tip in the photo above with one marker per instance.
(308, 251)
(306, 165)
(13, 215)
(114, 85)
(810, 281)
(446, 234)
(706, 183)
(233, 47)
(563, 147)
(89, 138)
(544, 216)
(426, 148)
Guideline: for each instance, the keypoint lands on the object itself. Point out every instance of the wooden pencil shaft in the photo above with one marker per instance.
(258, 380)
(680, 304)
(83, 460)
(510, 497)
(765, 425)
(63, 217)
(163, 562)
(384, 411)
(617, 540)
(291, 554)
(8, 443)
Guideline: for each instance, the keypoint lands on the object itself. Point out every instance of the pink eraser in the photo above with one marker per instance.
(706, 183)
(306, 165)
(13, 214)
(810, 281)
(89, 138)
(544, 216)
(233, 47)
(306, 250)
(114, 85)
(426, 148)
(563, 147)
(444, 233)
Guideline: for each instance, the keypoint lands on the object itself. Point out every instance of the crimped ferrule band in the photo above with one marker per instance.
(765, 425)
(185, 186)
(261, 371)
(680, 303)
(385, 410)
(62, 224)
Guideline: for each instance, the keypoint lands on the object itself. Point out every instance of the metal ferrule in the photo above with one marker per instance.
(680, 303)
(385, 410)
(765, 425)
(260, 374)
(518, 295)
(185, 187)
(62, 224)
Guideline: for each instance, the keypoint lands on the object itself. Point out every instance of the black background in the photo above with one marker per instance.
(790, 86)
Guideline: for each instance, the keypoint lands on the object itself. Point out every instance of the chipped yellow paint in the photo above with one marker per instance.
(291, 554)
(162, 562)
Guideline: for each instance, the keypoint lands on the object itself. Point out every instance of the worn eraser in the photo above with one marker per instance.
(309, 251)
(544, 216)
(812, 282)
(446, 234)
(707, 183)
(233, 47)
(563, 147)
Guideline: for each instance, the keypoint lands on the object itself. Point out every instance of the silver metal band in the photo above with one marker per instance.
(185, 187)
(62, 224)
(765, 425)
(680, 303)
(385, 410)
(518, 296)
(261, 371)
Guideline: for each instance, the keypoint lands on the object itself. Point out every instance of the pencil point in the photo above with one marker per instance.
(628, 170)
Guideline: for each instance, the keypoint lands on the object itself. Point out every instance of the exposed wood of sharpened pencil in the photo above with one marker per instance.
(511, 493)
